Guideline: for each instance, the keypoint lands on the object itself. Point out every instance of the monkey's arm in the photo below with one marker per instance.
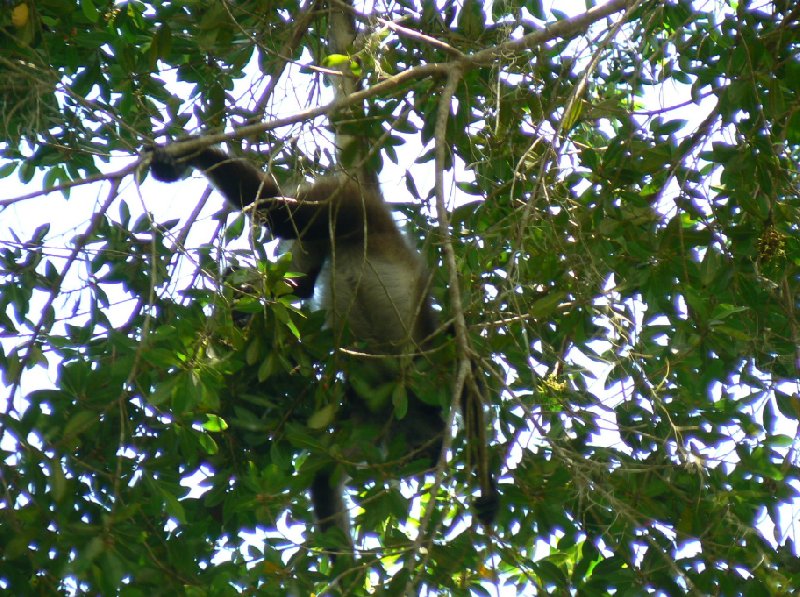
(242, 184)
(238, 180)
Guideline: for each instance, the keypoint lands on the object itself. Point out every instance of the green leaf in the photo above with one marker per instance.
(334, 60)
(163, 392)
(79, 423)
(323, 417)
(236, 227)
(544, 307)
(90, 11)
(58, 482)
(173, 507)
(208, 444)
(215, 424)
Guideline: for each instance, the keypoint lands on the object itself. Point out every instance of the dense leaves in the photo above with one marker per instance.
(625, 226)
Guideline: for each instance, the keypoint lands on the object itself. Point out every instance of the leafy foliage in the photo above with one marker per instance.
(629, 277)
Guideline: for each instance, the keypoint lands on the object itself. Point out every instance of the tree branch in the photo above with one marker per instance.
(440, 138)
(566, 28)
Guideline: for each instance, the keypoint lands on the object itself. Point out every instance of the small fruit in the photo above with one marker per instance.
(19, 15)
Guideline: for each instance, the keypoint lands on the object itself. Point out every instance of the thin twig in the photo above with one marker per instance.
(422, 38)
(115, 177)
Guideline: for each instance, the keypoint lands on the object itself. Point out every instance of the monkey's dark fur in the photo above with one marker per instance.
(375, 287)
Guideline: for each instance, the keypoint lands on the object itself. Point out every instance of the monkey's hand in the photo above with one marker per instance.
(163, 165)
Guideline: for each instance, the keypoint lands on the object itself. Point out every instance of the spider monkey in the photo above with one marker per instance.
(375, 288)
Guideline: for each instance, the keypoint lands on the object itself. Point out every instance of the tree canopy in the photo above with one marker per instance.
(608, 199)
